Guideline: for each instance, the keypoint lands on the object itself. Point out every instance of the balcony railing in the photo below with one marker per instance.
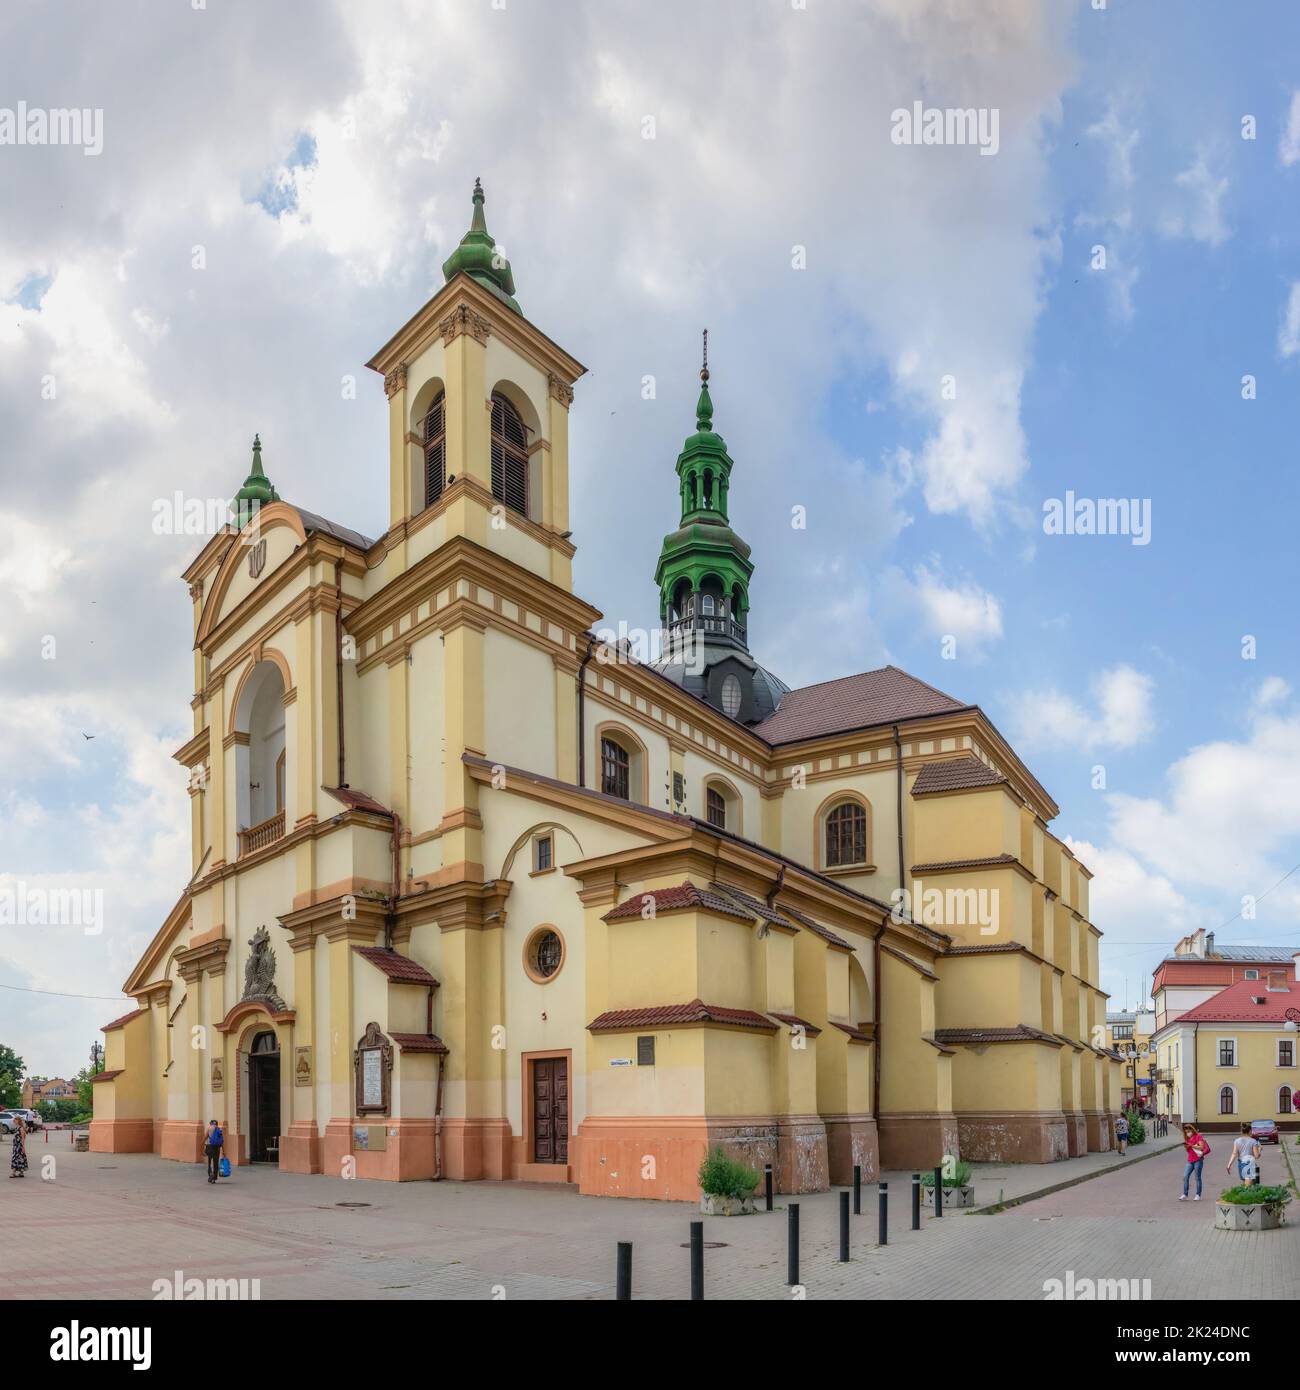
(725, 625)
(265, 833)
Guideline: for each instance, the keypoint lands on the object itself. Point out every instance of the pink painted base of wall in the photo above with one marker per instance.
(300, 1149)
(407, 1155)
(852, 1140)
(917, 1141)
(121, 1136)
(474, 1149)
(1013, 1137)
(1101, 1131)
(182, 1141)
(1076, 1133)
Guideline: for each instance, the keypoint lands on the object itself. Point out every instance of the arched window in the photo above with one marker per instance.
(1284, 1100)
(434, 433)
(509, 456)
(615, 769)
(715, 807)
(1227, 1101)
(846, 835)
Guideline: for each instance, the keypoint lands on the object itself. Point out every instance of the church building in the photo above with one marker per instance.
(476, 895)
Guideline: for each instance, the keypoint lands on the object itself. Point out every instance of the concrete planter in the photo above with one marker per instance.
(1254, 1216)
(712, 1205)
(952, 1197)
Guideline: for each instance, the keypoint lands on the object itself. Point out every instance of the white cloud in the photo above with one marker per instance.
(1201, 218)
(1120, 715)
(1288, 150)
(1288, 333)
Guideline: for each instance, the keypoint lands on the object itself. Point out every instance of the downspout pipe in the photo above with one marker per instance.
(338, 665)
(902, 884)
(582, 711)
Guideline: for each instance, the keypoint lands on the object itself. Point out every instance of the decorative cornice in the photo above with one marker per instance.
(560, 390)
(463, 319)
(395, 381)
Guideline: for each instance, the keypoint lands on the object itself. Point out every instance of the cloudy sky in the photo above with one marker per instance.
(920, 344)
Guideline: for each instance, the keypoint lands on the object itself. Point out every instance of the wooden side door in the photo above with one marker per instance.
(550, 1110)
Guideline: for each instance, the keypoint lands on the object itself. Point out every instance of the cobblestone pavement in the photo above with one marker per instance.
(108, 1226)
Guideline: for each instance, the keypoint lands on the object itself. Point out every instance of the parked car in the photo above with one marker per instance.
(32, 1117)
(7, 1121)
(1265, 1131)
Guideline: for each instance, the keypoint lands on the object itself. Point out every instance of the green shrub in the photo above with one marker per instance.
(1137, 1130)
(960, 1176)
(1244, 1196)
(721, 1176)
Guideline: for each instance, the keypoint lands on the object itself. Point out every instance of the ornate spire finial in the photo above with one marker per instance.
(257, 489)
(704, 407)
(479, 256)
(704, 370)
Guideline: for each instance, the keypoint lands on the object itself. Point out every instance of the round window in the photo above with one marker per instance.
(731, 696)
(544, 954)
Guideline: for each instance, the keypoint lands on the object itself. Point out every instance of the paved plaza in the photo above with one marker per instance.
(108, 1226)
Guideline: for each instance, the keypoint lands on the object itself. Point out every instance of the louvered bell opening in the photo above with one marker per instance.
(509, 456)
(435, 451)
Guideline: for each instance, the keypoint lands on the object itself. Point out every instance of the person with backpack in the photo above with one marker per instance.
(1198, 1151)
(212, 1143)
(1121, 1131)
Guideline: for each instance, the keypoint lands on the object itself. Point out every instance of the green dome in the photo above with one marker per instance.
(477, 256)
(257, 489)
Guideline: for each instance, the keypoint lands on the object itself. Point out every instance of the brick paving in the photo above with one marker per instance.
(108, 1226)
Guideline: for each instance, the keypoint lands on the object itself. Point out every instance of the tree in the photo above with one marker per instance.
(85, 1091)
(12, 1068)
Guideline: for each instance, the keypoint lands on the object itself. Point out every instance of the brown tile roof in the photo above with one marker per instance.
(817, 929)
(885, 696)
(992, 949)
(955, 774)
(121, 1022)
(991, 861)
(358, 801)
(1236, 1004)
(419, 1042)
(1022, 1032)
(395, 966)
(665, 1015)
(106, 1075)
(781, 915)
(684, 895)
(796, 1022)
(857, 1034)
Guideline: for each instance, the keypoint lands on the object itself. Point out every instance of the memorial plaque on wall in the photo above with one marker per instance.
(302, 1066)
(218, 1075)
(372, 1078)
(373, 1061)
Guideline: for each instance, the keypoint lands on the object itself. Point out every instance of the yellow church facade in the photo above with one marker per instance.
(476, 894)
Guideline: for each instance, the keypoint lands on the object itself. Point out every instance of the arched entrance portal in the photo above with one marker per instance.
(264, 1099)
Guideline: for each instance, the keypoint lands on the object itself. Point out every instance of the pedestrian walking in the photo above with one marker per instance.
(1121, 1132)
(212, 1143)
(18, 1159)
(1198, 1150)
(1246, 1155)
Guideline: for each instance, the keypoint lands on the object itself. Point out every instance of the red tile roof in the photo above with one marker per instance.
(106, 1075)
(395, 966)
(121, 1022)
(853, 702)
(1236, 1004)
(1193, 972)
(857, 1034)
(817, 929)
(781, 915)
(991, 861)
(665, 1015)
(1022, 1032)
(358, 801)
(419, 1042)
(796, 1022)
(685, 895)
(955, 774)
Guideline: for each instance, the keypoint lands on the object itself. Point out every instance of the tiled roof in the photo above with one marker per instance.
(1278, 954)
(1022, 1032)
(796, 1022)
(106, 1075)
(992, 949)
(125, 1019)
(781, 915)
(684, 895)
(312, 522)
(358, 801)
(1192, 972)
(419, 1042)
(665, 1015)
(853, 702)
(991, 861)
(395, 966)
(857, 1034)
(1236, 1004)
(955, 774)
(817, 929)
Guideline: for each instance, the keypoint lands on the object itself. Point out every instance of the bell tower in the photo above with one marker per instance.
(478, 411)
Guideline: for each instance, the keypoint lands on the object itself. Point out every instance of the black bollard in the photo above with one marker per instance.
(916, 1201)
(884, 1213)
(767, 1184)
(938, 1191)
(623, 1275)
(857, 1189)
(792, 1252)
(697, 1261)
(844, 1228)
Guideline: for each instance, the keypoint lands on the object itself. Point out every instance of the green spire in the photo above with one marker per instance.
(704, 556)
(478, 257)
(257, 489)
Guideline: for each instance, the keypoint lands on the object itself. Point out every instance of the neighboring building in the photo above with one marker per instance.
(1129, 1033)
(478, 895)
(1232, 1058)
(1199, 969)
(39, 1088)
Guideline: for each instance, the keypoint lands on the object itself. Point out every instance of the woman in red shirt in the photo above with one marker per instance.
(1197, 1151)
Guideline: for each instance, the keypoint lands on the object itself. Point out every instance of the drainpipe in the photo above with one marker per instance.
(582, 711)
(338, 664)
(880, 978)
(390, 917)
(437, 1120)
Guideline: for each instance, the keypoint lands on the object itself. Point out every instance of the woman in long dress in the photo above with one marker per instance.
(18, 1160)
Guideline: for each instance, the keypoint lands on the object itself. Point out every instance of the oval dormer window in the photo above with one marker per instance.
(731, 697)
